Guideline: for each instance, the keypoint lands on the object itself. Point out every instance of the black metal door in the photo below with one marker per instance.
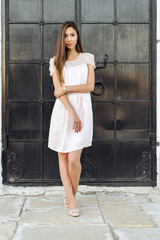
(121, 35)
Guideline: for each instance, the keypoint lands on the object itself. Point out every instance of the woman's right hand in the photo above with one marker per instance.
(76, 122)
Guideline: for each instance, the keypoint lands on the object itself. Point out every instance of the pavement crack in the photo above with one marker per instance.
(112, 232)
(100, 209)
(21, 210)
(14, 232)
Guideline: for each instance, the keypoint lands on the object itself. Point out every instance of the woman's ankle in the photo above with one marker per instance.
(73, 205)
(74, 195)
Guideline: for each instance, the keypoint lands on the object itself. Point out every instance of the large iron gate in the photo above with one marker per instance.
(121, 35)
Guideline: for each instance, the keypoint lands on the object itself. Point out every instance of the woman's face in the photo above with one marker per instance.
(70, 37)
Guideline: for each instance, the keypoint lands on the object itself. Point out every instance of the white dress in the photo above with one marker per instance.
(62, 137)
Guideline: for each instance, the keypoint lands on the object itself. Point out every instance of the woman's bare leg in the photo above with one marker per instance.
(74, 172)
(65, 177)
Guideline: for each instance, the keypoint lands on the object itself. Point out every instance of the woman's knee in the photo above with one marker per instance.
(63, 156)
(73, 161)
(74, 158)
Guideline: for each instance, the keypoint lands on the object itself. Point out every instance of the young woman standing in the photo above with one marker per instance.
(71, 124)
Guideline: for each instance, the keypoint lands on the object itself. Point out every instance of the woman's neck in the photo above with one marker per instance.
(72, 53)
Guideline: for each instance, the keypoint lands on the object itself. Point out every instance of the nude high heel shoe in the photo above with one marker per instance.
(74, 212)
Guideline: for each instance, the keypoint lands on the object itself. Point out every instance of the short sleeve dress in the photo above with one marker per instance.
(62, 137)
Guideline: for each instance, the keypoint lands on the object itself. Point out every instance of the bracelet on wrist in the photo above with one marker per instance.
(64, 89)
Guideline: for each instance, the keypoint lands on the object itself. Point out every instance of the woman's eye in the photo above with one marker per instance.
(71, 35)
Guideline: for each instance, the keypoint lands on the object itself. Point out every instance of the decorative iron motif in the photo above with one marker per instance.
(142, 168)
(16, 170)
(103, 64)
(99, 87)
(88, 168)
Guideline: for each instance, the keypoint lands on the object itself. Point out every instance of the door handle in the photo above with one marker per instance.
(98, 87)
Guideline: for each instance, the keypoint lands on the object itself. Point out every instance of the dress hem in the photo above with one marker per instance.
(70, 150)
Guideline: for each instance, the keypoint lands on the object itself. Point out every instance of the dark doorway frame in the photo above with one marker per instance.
(5, 101)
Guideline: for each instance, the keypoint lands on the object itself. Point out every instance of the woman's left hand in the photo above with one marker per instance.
(59, 92)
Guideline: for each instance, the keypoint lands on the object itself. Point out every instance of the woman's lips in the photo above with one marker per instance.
(69, 44)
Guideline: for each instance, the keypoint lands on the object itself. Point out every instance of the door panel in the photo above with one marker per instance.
(24, 161)
(22, 10)
(26, 79)
(58, 10)
(95, 34)
(104, 11)
(103, 114)
(133, 43)
(133, 160)
(24, 121)
(133, 81)
(133, 10)
(26, 47)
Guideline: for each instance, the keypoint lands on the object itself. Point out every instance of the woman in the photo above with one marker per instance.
(71, 124)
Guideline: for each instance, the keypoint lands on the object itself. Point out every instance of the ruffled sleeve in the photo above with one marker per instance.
(90, 59)
(52, 68)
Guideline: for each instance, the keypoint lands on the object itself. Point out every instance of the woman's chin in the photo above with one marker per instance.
(70, 47)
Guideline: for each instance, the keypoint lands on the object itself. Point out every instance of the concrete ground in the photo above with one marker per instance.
(106, 213)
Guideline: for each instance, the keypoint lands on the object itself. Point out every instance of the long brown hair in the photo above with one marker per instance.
(60, 52)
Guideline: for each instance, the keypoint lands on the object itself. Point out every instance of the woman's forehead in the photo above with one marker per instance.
(70, 30)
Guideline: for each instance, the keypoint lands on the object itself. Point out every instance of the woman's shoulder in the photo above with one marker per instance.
(87, 54)
(89, 58)
(52, 68)
(52, 58)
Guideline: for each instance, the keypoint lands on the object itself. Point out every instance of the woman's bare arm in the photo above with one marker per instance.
(64, 99)
(87, 87)
(81, 88)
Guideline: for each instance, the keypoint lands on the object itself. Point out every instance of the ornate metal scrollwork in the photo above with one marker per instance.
(15, 169)
(88, 168)
(102, 64)
(142, 168)
(99, 87)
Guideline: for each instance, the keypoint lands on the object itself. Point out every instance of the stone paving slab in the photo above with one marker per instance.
(47, 201)
(10, 207)
(154, 197)
(137, 233)
(6, 230)
(63, 232)
(58, 214)
(43, 202)
(121, 198)
(122, 215)
(152, 209)
(89, 200)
